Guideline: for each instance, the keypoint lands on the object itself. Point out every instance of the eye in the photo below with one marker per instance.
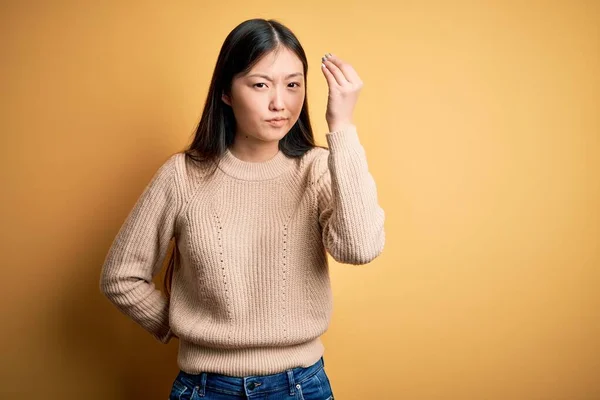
(256, 85)
(295, 83)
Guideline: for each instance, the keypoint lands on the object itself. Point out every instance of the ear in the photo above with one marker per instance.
(226, 99)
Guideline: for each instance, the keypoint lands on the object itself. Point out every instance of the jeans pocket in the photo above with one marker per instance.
(325, 382)
(317, 387)
(179, 391)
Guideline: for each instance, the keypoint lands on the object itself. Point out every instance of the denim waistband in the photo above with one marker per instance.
(251, 384)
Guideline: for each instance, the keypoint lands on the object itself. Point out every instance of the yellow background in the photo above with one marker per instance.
(481, 125)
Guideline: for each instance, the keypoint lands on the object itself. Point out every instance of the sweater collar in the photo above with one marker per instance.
(255, 171)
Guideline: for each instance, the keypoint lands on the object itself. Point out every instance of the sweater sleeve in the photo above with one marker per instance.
(350, 216)
(138, 251)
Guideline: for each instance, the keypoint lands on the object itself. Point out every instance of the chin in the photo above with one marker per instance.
(274, 133)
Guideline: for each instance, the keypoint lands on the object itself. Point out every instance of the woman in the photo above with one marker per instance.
(253, 205)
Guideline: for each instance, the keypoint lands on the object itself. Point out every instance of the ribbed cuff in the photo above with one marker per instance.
(344, 139)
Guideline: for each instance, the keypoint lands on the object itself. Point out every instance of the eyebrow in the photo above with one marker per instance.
(270, 79)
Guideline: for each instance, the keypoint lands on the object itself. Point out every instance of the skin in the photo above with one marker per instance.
(274, 87)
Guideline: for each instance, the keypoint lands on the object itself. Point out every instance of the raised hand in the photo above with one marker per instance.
(344, 88)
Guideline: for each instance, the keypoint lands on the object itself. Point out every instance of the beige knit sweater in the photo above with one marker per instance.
(252, 293)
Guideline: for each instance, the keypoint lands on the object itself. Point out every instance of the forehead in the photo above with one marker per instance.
(282, 61)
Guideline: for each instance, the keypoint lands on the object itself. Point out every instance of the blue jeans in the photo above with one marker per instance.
(300, 383)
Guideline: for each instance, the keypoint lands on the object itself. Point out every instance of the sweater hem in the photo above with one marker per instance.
(241, 362)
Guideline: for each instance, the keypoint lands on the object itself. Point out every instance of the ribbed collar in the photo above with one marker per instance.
(255, 171)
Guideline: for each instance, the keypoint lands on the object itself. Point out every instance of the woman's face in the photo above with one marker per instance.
(273, 88)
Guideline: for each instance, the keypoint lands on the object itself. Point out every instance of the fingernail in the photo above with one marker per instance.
(329, 54)
(323, 59)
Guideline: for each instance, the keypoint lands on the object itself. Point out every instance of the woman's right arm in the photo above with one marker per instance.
(138, 251)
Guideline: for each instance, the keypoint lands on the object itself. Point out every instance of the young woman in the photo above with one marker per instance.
(253, 206)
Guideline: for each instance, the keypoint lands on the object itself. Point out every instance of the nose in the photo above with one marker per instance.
(277, 103)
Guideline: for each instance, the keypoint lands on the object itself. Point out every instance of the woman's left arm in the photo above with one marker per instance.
(349, 212)
(350, 216)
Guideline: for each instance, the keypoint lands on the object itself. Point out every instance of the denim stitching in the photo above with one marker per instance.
(182, 392)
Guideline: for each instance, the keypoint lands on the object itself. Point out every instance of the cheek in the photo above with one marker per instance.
(247, 110)
(296, 103)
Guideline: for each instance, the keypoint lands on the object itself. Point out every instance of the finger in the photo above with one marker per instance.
(336, 72)
(329, 76)
(347, 69)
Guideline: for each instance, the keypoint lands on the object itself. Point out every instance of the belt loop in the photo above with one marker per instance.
(290, 374)
(202, 387)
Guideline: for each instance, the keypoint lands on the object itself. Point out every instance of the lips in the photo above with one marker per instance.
(276, 119)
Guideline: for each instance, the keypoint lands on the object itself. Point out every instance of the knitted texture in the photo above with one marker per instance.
(251, 294)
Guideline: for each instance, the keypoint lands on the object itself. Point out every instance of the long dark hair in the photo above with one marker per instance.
(245, 45)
